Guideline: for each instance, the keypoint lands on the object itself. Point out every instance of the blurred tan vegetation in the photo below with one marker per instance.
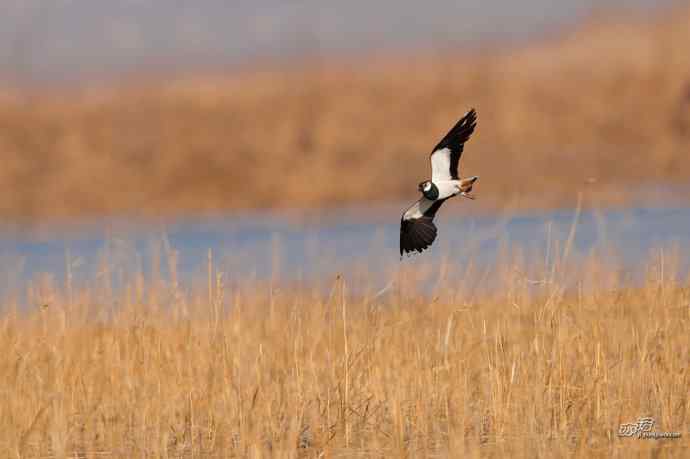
(603, 108)
(543, 367)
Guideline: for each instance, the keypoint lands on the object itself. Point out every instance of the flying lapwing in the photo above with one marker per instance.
(417, 229)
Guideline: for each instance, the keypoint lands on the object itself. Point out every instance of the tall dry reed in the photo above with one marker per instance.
(542, 365)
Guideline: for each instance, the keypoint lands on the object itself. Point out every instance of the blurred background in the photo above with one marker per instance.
(81, 41)
(159, 108)
(319, 117)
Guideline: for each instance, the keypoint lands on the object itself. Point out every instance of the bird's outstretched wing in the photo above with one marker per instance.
(446, 155)
(417, 229)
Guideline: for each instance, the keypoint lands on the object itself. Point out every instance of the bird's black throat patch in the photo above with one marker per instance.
(432, 193)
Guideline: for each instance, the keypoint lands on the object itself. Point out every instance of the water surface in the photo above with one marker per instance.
(268, 246)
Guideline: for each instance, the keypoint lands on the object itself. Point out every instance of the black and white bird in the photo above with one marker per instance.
(417, 229)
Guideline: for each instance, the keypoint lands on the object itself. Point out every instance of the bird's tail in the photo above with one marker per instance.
(467, 184)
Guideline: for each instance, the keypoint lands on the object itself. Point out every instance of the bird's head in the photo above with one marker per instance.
(429, 190)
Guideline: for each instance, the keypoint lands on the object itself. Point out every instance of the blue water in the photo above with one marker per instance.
(289, 248)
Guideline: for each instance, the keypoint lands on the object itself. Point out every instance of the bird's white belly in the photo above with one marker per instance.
(447, 188)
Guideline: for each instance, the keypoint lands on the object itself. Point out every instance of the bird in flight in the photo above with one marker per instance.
(417, 229)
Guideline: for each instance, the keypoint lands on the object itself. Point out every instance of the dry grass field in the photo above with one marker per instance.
(161, 368)
(605, 106)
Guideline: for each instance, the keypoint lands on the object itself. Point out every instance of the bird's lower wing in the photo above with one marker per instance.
(416, 235)
(417, 228)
